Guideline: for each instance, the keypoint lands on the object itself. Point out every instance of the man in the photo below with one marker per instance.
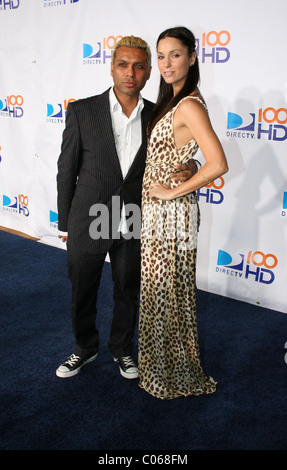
(102, 158)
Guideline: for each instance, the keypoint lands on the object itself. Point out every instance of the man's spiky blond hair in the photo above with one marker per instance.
(131, 41)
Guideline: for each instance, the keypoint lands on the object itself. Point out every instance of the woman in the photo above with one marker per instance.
(169, 359)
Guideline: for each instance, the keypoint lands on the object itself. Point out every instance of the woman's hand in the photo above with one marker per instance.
(160, 191)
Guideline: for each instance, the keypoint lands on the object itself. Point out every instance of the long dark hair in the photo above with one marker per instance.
(166, 100)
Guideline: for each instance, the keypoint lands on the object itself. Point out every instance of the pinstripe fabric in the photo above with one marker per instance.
(89, 171)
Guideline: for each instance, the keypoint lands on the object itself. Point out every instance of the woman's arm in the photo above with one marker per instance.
(192, 115)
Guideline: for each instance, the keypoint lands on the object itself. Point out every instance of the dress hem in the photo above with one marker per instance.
(177, 394)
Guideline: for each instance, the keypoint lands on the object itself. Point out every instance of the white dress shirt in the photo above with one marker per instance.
(128, 137)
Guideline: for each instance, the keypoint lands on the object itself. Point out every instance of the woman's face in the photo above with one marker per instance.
(174, 62)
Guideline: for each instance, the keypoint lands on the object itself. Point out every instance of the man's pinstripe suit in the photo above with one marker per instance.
(89, 173)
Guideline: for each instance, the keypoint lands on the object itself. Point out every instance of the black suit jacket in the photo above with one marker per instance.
(89, 171)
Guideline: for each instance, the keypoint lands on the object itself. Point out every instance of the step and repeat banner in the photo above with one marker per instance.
(56, 51)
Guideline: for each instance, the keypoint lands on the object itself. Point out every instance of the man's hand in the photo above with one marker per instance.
(64, 238)
(184, 172)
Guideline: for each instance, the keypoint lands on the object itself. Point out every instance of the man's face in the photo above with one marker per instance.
(130, 71)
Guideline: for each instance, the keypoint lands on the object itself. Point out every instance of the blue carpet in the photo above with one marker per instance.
(242, 347)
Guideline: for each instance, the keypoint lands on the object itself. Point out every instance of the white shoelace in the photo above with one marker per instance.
(72, 359)
(128, 361)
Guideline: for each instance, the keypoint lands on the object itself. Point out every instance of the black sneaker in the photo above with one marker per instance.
(73, 365)
(128, 367)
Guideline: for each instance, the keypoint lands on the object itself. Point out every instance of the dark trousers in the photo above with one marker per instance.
(85, 275)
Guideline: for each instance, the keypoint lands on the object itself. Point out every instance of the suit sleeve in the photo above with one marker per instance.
(68, 167)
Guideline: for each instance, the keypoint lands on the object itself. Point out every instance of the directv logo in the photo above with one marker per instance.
(235, 121)
(95, 55)
(224, 259)
(9, 204)
(57, 112)
(52, 113)
(88, 51)
(101, 51)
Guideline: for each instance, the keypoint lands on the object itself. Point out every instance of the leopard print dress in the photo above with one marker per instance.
(169, 358)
